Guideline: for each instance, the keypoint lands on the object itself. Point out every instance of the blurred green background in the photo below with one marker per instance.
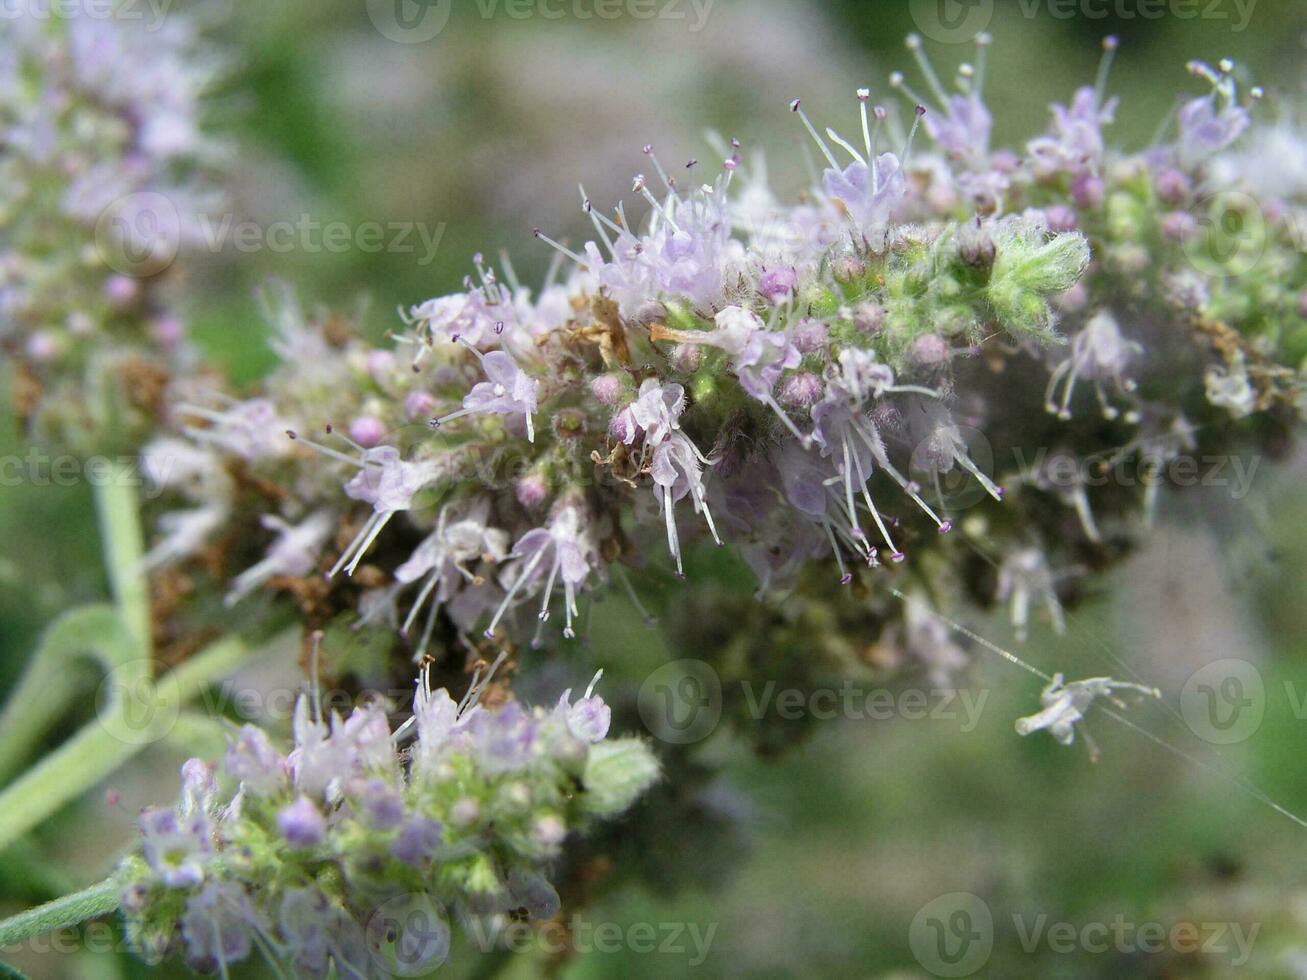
(483, 133)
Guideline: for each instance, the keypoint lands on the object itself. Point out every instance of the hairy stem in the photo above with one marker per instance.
(123, 544)
(136, 713)
(50, 682)
(67, 911)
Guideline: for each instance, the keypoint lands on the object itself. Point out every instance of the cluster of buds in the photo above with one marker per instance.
(103, 157)
(317, 859)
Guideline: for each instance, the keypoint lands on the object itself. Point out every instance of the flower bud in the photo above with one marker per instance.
(616, 773)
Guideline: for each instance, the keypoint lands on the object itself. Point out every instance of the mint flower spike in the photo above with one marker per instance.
(1065, 704)
(460, 810)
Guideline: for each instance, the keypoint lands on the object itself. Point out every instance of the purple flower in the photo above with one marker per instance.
(589, 718)
(870, 194)
(442, 560)
(778, 283)
(963, 131)
(1206, 130)
(508, 391)
(765, 357)
(417, 841)
(219, 926)
(389, 484)
(251, 759)
(655, 412)
(677, 472)
(1076, 143)
(251, 429)
(301, 823)
(380, 803)
(317, 932)
(294, 553)
(561, 552)
(176, 849)
(505, 739)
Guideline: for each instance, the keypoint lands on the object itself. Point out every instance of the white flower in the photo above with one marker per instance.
(1064, 705)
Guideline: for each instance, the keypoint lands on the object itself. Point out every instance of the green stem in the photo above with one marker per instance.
(123, 544)
(50, 682)
(137, 713)
(62, 912)
(48, 686)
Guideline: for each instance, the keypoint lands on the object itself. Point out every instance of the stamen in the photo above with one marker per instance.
(669, 181)
(845, 577)
(927, 70)
(509, 272)
(797, 106)
(896, 81)
(907, 147)
(1110, 44)
(649, 618)
(512, 593)
(325, 450)
(841, 141)
(548, 591)
(864, 96)
(965, 74)
(315, 685)
(983, 41)
(673, 544)
(560, 248)
(594, 218)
